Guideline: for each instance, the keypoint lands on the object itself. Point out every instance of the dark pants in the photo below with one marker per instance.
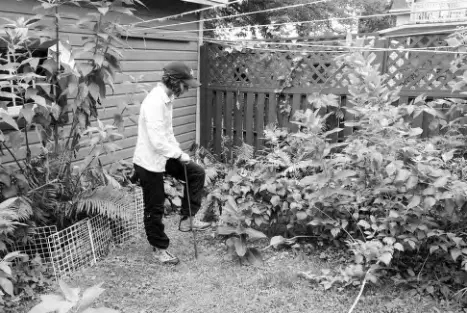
(152, 184)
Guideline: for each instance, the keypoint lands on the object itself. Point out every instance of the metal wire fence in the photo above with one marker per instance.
(87, 241)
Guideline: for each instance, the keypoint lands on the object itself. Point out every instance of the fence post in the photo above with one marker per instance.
(381, 55)
(204, 74)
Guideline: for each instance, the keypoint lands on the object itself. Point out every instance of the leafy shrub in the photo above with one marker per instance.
(71, 300)
(395, 197)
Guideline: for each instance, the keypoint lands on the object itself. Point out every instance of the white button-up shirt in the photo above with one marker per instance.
(156, 140)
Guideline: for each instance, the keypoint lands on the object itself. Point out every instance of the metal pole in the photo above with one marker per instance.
(189, 210)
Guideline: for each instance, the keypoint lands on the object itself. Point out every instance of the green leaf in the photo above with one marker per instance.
(5, 268)
(301, 215)
(255, 234)
(101, 310)
(455, 253)
(15, 139)
(8, 119)
(414, 202)
(391, 169)
(402, 175)
(335, 232)
(240, 247)
(412, 182)
(415, 132)
(364, 224)
(429, 202)
(6, 285)
(276, 241)
(50, 65)
(398, 246)
(386, 258)
(254, 257)
(448, 155)
(71, 294)
(225, 230)
(27, 111)
(103, 10)
(441, 182)
(89, 296)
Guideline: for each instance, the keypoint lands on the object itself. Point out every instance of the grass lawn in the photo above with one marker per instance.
(135, 284)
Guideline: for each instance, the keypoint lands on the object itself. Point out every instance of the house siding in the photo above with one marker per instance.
(144, 58)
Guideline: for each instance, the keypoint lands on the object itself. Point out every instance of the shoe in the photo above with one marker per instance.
(198, 225)
(164, 257)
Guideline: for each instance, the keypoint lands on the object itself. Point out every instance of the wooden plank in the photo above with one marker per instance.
(141, 76)
(332, 123)
(249, 116)
(149, 66)
(218, 122)
(209, 113)
(238, 117)
(228, 114)
(177, 121)
(272, 105)
(260, 105)
(296, 101)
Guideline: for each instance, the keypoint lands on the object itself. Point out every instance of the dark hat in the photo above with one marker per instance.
(180, 70)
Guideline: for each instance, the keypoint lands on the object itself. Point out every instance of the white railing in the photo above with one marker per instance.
(439, 11)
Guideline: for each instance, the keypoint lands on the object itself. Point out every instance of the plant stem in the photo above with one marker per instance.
(57, 35)
(359, 294)
(14, 157)
(49, 183)
(28, 150)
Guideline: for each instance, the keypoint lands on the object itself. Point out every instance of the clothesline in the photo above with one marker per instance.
(287, 23)
(354, 48)
(237, 15)
(163, 19)
(307, 44)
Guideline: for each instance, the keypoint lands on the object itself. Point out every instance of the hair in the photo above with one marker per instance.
(172, 83)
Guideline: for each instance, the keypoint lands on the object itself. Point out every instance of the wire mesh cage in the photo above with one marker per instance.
(88, 240)
(127, 221)
(37, 244)
(72, 248)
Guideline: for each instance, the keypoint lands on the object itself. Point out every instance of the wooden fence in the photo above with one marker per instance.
(243, 91)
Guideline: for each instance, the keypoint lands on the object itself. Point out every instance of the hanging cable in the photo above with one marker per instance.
(163, 19)
(293, 23)
(307, 44)
(238, 15)
(358, 49)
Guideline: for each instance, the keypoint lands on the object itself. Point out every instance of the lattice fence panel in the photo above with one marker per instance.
(264, 69)
(415, 70)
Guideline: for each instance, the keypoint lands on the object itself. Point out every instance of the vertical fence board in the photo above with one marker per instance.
(238, 119)
(260, 120)
(332, 123)
(208, 118)
(296, 100)
(218, 121)
(228, 115)
(249, 116)
(272, 114)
